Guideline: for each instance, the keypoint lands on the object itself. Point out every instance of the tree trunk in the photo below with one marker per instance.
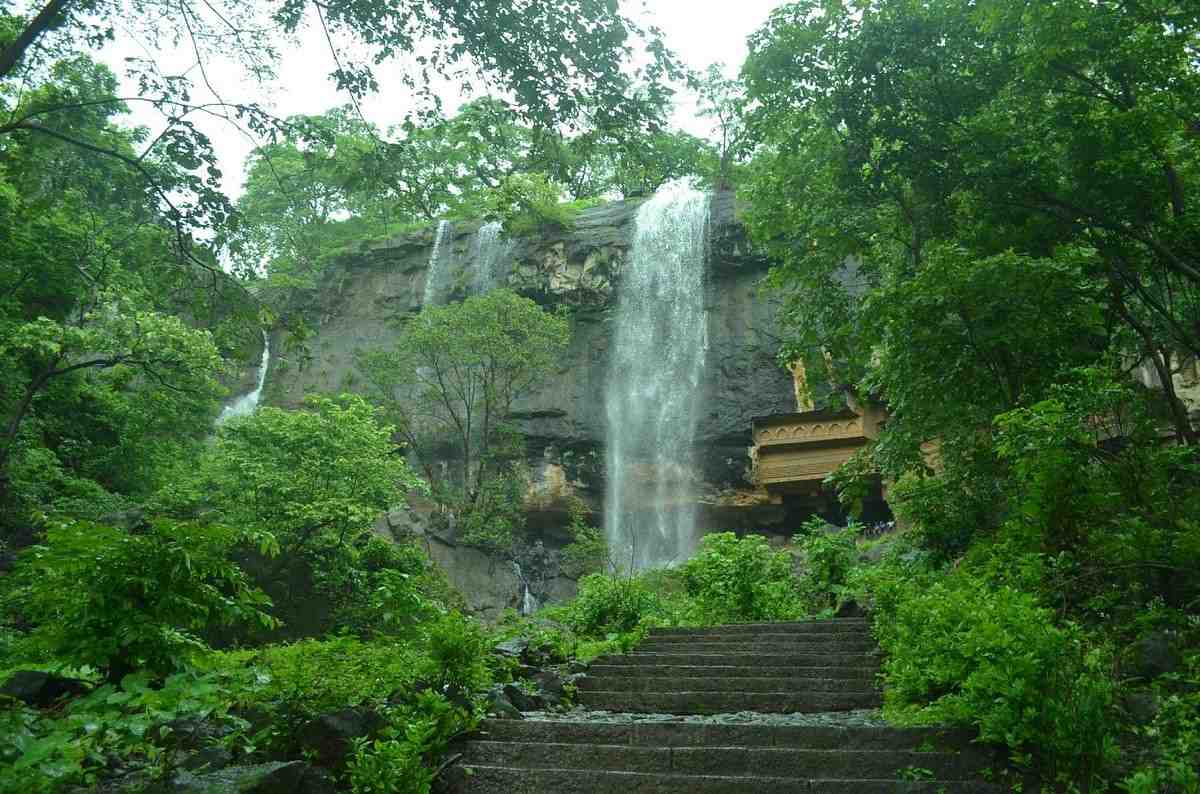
(37, 27)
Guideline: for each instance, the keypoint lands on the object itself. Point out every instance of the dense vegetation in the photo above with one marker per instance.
(982, 217)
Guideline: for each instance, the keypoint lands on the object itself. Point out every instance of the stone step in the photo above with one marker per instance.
(728, 702)
(483, 779)
(732, 659)
(702, 734)
(753, 643)
(727, 761)
(833, 626)
(657, 683)
(744, 636)
(732, 671)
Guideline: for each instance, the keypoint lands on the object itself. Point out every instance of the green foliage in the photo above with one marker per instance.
(588, 550)
(962, 650)
(1175, 736)
(611, 604)
(121, 601)
(828, 559)
(529, 203)
(495, 521)
(317, 480)
(451, 382)
(401, 759)
(47, 751)
(458, 652)
(733, 579)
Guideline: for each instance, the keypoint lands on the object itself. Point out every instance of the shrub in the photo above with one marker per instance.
(962, 651)
(49, 751)
(401, 759)
(458, 653)
(306, 678)
(611, 604)
(828, 559)
(588, 550)
(732, 579)
(119, 601)
(527, 203)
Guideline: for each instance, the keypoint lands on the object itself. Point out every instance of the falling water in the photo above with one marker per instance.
(489, 249)
(248, 402)
(529, 602)
(658, 352)
(433, 272)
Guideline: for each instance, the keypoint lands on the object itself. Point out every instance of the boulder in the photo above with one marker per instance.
(1140, 707)
(522, 700)
(516, 648)
(40, 689)
(286, 777)
(500, 706)
(1155, 654)
(207, 759)
(551, 686)
(330, 737)
(850, 609)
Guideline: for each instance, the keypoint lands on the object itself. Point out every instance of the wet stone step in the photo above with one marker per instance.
(656, 683)
(485, 779)
(759, 637)
(726, 702)
(866, 673)
(728, 761)
(837, 625)
(757, 645)
(731, 659)
(700, 734)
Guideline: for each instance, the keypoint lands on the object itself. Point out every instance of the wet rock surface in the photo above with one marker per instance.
(40, 689)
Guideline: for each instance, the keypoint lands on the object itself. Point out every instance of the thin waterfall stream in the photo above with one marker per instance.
(490, 249)
(660, 340)
(245, 404)
(433, 272)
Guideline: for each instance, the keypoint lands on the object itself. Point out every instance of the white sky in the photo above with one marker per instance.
(700, 32)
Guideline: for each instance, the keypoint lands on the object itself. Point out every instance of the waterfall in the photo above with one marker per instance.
(489, 249)
(433, 272)
(529, 602)
(652, 396)
(246, 404)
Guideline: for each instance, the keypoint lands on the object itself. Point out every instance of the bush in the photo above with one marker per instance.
(400, 760)
(458, 652)
(962, 651)
(119, 601)
(828, 559)
(732, 579)
(528, 203)
(611, 605)
(307, 678)
(588, 550)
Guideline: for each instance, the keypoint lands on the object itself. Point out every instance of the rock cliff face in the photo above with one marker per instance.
(363, 295)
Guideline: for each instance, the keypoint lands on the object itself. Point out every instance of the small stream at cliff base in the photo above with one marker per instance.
(660, 341)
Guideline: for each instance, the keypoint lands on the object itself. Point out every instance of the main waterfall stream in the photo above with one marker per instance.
(659, 343)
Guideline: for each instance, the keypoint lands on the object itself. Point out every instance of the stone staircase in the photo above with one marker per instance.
(791, 698)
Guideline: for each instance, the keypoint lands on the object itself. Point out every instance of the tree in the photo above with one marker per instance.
(314, 482)
(895, 129)
(558, 60)
(724, 101)
(103, 378)
(456, 373)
